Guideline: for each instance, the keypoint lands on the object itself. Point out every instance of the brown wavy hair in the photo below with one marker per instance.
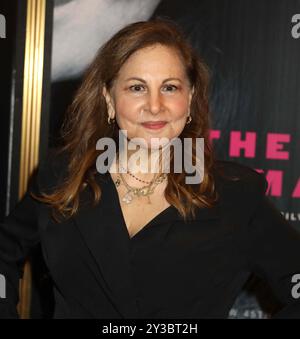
(86, 120)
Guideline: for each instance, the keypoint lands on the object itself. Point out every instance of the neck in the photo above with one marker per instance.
(141, 161)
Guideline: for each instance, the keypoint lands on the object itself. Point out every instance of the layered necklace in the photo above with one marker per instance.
(133, 192)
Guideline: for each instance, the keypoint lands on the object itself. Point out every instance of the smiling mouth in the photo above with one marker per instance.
(154, 124)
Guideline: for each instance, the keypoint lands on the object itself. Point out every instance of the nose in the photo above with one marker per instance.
(155, 102)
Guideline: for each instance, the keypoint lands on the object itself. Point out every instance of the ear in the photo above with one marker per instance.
(109, 102)
(106, 94)
(191, 94)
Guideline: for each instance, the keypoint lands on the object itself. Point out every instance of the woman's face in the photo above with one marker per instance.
(151, 87)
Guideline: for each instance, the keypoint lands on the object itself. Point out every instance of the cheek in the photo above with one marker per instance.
(178, 108)
(127, 110)
(178, 117)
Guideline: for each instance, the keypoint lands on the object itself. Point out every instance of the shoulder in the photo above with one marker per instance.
(51, 170)
(233, 171)
(235, 180)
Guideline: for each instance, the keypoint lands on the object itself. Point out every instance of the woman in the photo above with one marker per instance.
(147, 244)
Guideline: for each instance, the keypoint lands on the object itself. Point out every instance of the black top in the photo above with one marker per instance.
(169, 269)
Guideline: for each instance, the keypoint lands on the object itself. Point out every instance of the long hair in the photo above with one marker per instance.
(86, 120)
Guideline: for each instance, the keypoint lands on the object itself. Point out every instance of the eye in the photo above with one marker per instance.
(172, 87)
(135, 86)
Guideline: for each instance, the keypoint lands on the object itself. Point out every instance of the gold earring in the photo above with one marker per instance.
(189, 119)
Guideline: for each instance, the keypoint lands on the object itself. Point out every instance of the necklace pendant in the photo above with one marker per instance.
(127, 198)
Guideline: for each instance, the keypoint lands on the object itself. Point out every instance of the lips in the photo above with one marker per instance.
(154, 124)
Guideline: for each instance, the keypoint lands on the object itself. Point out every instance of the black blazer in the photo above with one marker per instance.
(167, 270)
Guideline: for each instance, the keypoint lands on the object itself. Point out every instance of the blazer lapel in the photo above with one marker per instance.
(109, 246)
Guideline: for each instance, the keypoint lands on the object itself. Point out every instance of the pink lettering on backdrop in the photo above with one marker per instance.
(243, 144)
(296, 193)
(275, 144)
(214, 134)
(275, 179)
(248, 144)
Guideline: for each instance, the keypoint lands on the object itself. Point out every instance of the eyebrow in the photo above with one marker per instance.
(144, 81)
